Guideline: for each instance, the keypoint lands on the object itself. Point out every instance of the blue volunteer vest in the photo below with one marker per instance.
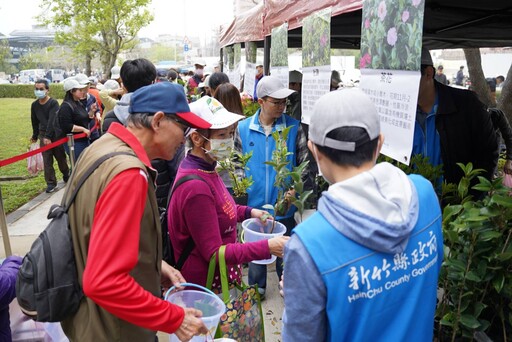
(373, 296)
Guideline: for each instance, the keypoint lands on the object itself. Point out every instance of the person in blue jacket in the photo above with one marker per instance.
(365, 266)
(254, 134)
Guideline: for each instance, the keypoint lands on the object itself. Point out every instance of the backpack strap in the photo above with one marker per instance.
(89, 171)
(190, 243)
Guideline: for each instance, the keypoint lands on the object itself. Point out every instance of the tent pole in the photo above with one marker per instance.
(266, 55)
(3, 227)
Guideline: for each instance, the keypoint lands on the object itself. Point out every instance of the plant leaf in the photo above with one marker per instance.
(469, 321)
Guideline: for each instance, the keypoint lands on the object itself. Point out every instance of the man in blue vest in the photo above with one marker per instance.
(254, 134)
(365, 266)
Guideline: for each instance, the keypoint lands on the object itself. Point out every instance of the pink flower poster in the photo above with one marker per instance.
(391, 41)
(316, 60)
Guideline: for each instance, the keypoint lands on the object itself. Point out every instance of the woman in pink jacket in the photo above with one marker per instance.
(204, 211)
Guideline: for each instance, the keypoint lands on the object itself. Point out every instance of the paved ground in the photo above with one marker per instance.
(27, 222)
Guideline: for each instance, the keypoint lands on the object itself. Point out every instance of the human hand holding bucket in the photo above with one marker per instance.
(211, 307)
(255, 230)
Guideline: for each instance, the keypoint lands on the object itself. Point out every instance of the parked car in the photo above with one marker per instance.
(31, 75)
(55, 75)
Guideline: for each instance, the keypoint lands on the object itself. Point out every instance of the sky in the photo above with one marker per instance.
(180, 17)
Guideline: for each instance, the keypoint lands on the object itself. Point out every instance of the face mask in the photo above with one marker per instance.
(40, 94)
(220, 149)
(199, 72)
(318, 164)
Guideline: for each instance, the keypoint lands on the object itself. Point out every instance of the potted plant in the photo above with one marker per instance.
(286, 179)
(237, 160)
(476, 277)
(475, 281)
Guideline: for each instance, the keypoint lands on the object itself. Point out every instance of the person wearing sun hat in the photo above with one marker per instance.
(204, 211)
(365, 266)
(254, 134)
(73, 117)
(115, 226)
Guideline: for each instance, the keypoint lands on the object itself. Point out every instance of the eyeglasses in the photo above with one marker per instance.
(184, 126)
(277, 103)
(40, 88)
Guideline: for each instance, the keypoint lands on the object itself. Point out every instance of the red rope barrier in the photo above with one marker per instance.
(44, 148)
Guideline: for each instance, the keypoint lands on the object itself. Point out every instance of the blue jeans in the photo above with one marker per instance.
(258, 273)
(80, 146)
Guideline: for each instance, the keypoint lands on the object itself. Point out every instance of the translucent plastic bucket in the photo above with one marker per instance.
(206, 301)
(254, 230)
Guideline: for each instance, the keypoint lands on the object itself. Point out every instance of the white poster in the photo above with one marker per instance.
(316, 60)
(395, 94)
(281, 73)
(316, 81)
(249, 78)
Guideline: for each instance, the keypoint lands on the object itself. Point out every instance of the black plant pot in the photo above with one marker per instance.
(241, 200)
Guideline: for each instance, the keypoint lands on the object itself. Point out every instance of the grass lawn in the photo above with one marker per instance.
(15, 134)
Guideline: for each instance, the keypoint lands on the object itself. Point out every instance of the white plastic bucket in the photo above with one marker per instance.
(206, 301)
(255, 230)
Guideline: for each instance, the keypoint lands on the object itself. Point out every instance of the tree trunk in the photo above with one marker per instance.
(88, 60)
(476, 75)
(505, 100)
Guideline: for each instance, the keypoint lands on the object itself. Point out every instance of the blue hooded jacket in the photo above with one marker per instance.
(365, 266)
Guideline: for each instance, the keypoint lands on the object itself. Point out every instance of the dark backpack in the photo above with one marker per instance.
(167, 250)
(47, 286)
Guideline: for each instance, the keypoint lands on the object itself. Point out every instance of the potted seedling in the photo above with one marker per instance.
(237, 160)
(287, 179)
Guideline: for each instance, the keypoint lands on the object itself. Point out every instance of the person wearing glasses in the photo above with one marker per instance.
(115, 226)
(254, 134)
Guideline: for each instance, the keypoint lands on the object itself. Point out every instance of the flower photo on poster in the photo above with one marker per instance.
(391, 34)
(237, 55)
(230, 51)
(250, 52)
(279, 50)
(316, 39)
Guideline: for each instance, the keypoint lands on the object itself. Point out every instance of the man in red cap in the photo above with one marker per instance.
(115, 226)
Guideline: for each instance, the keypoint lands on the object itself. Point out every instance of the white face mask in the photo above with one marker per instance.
(318, 164)
(220, 149)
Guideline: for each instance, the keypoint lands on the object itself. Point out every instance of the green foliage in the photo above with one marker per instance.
(316, 42)
(237, 56)
(251, 50)
(285, 179)
(107, 27)
(279, 51)
(27, 91)
(5, 56)
(159, 52)
(237, 160)
(230, 57)
(391, 34)
(476, 276)
(248, 105)
(16, 131)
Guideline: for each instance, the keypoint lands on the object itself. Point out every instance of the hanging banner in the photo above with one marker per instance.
(250, 67)
(316, 60)
(235, 78)
(230, 70)
(279, 53)
(391, 40)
